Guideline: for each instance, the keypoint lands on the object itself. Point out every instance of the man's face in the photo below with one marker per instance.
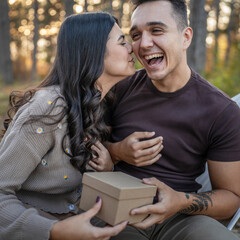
(157, 41)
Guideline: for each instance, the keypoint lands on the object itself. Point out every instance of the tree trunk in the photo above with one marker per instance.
(229, 33)
(121, 13)
(35, 40)
(86, 6)
(6, 71)
(216, 33)
(198, 22)
(111, 7)
(68, 7)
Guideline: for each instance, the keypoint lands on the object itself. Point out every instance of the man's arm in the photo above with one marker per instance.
(138, 149)
(221, 203)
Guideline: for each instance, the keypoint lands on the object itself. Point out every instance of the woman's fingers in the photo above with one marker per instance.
(94, 210)
(93, 165)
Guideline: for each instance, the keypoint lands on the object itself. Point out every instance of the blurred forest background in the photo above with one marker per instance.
(28, 33)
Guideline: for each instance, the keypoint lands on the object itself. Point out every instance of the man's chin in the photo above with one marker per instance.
(155, 75)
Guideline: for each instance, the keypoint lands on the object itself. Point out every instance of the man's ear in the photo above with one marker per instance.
(187, 36)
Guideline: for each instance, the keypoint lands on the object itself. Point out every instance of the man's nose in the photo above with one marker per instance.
(146, 40)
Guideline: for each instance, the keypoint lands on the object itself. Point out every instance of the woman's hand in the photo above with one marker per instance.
(79, 227)
(103, 162)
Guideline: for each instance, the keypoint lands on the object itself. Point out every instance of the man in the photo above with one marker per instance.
(167, 101)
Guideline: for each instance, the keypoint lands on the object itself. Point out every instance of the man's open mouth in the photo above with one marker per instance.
(154, 59)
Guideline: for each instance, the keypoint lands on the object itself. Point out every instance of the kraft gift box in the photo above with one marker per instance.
(120, 193)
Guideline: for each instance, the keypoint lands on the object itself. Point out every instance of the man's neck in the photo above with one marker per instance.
(173, 81)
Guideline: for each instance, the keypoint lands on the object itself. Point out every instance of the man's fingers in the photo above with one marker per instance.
(148, 162)
(149, 153)
(150, 142)
(141, 155)
(147, 222)
(153, 181)
(142, 135)
(150, 156)
(148, 209)
(152, 150)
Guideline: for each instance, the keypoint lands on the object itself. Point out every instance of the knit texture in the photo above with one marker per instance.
(35, 169)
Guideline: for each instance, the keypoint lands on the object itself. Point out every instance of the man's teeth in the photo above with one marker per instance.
(153, 56)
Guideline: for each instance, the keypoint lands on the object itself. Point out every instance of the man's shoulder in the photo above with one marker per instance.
(140, 75)
(208, 91)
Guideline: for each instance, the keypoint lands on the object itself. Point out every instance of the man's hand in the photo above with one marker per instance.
(136, 150)
(169, 203)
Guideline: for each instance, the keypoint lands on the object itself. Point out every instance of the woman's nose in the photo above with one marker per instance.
(129, 47)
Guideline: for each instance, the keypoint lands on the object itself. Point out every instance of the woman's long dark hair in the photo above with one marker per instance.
(78, 64)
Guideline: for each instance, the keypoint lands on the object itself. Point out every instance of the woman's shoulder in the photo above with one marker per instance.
(48, 95)
(47, 100)
(47, 106)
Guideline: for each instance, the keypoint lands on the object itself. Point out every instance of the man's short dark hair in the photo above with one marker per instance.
(179, 10)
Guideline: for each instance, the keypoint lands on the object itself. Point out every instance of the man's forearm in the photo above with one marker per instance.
(219, 204)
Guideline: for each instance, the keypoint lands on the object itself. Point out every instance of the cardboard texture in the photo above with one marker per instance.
(120, 193)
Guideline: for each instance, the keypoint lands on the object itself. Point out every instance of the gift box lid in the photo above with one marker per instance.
(118, 185)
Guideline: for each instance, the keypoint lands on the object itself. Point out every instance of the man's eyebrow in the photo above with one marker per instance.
(121, 37)
(133, 28)
(157, 23)
(149, 24)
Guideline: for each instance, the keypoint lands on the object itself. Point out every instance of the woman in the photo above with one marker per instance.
(56, 131)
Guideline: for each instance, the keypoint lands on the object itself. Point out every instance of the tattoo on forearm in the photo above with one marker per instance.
(201, 202)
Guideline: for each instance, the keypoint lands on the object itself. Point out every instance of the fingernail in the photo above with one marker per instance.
(146, 179)
(98, 199)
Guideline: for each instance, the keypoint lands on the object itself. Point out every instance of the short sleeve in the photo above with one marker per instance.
(224, 137)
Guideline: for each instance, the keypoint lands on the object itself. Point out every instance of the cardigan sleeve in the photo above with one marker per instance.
(21, 150)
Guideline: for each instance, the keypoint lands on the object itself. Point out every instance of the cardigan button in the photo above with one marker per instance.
(71, 207)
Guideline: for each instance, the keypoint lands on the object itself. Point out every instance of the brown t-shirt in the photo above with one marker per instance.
(197, 122)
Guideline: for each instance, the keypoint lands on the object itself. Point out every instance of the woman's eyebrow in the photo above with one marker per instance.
(121, 37)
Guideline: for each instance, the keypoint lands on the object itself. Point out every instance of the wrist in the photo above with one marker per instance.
(184, 201)
(113, 150)
(54, 233)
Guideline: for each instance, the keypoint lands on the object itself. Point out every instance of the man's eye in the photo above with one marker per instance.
(157, 30)
(123, 43)
(134, 36)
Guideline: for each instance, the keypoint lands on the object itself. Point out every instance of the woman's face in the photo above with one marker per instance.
(118, 61)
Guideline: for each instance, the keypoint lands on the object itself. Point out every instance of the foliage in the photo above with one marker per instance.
(227, 77)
